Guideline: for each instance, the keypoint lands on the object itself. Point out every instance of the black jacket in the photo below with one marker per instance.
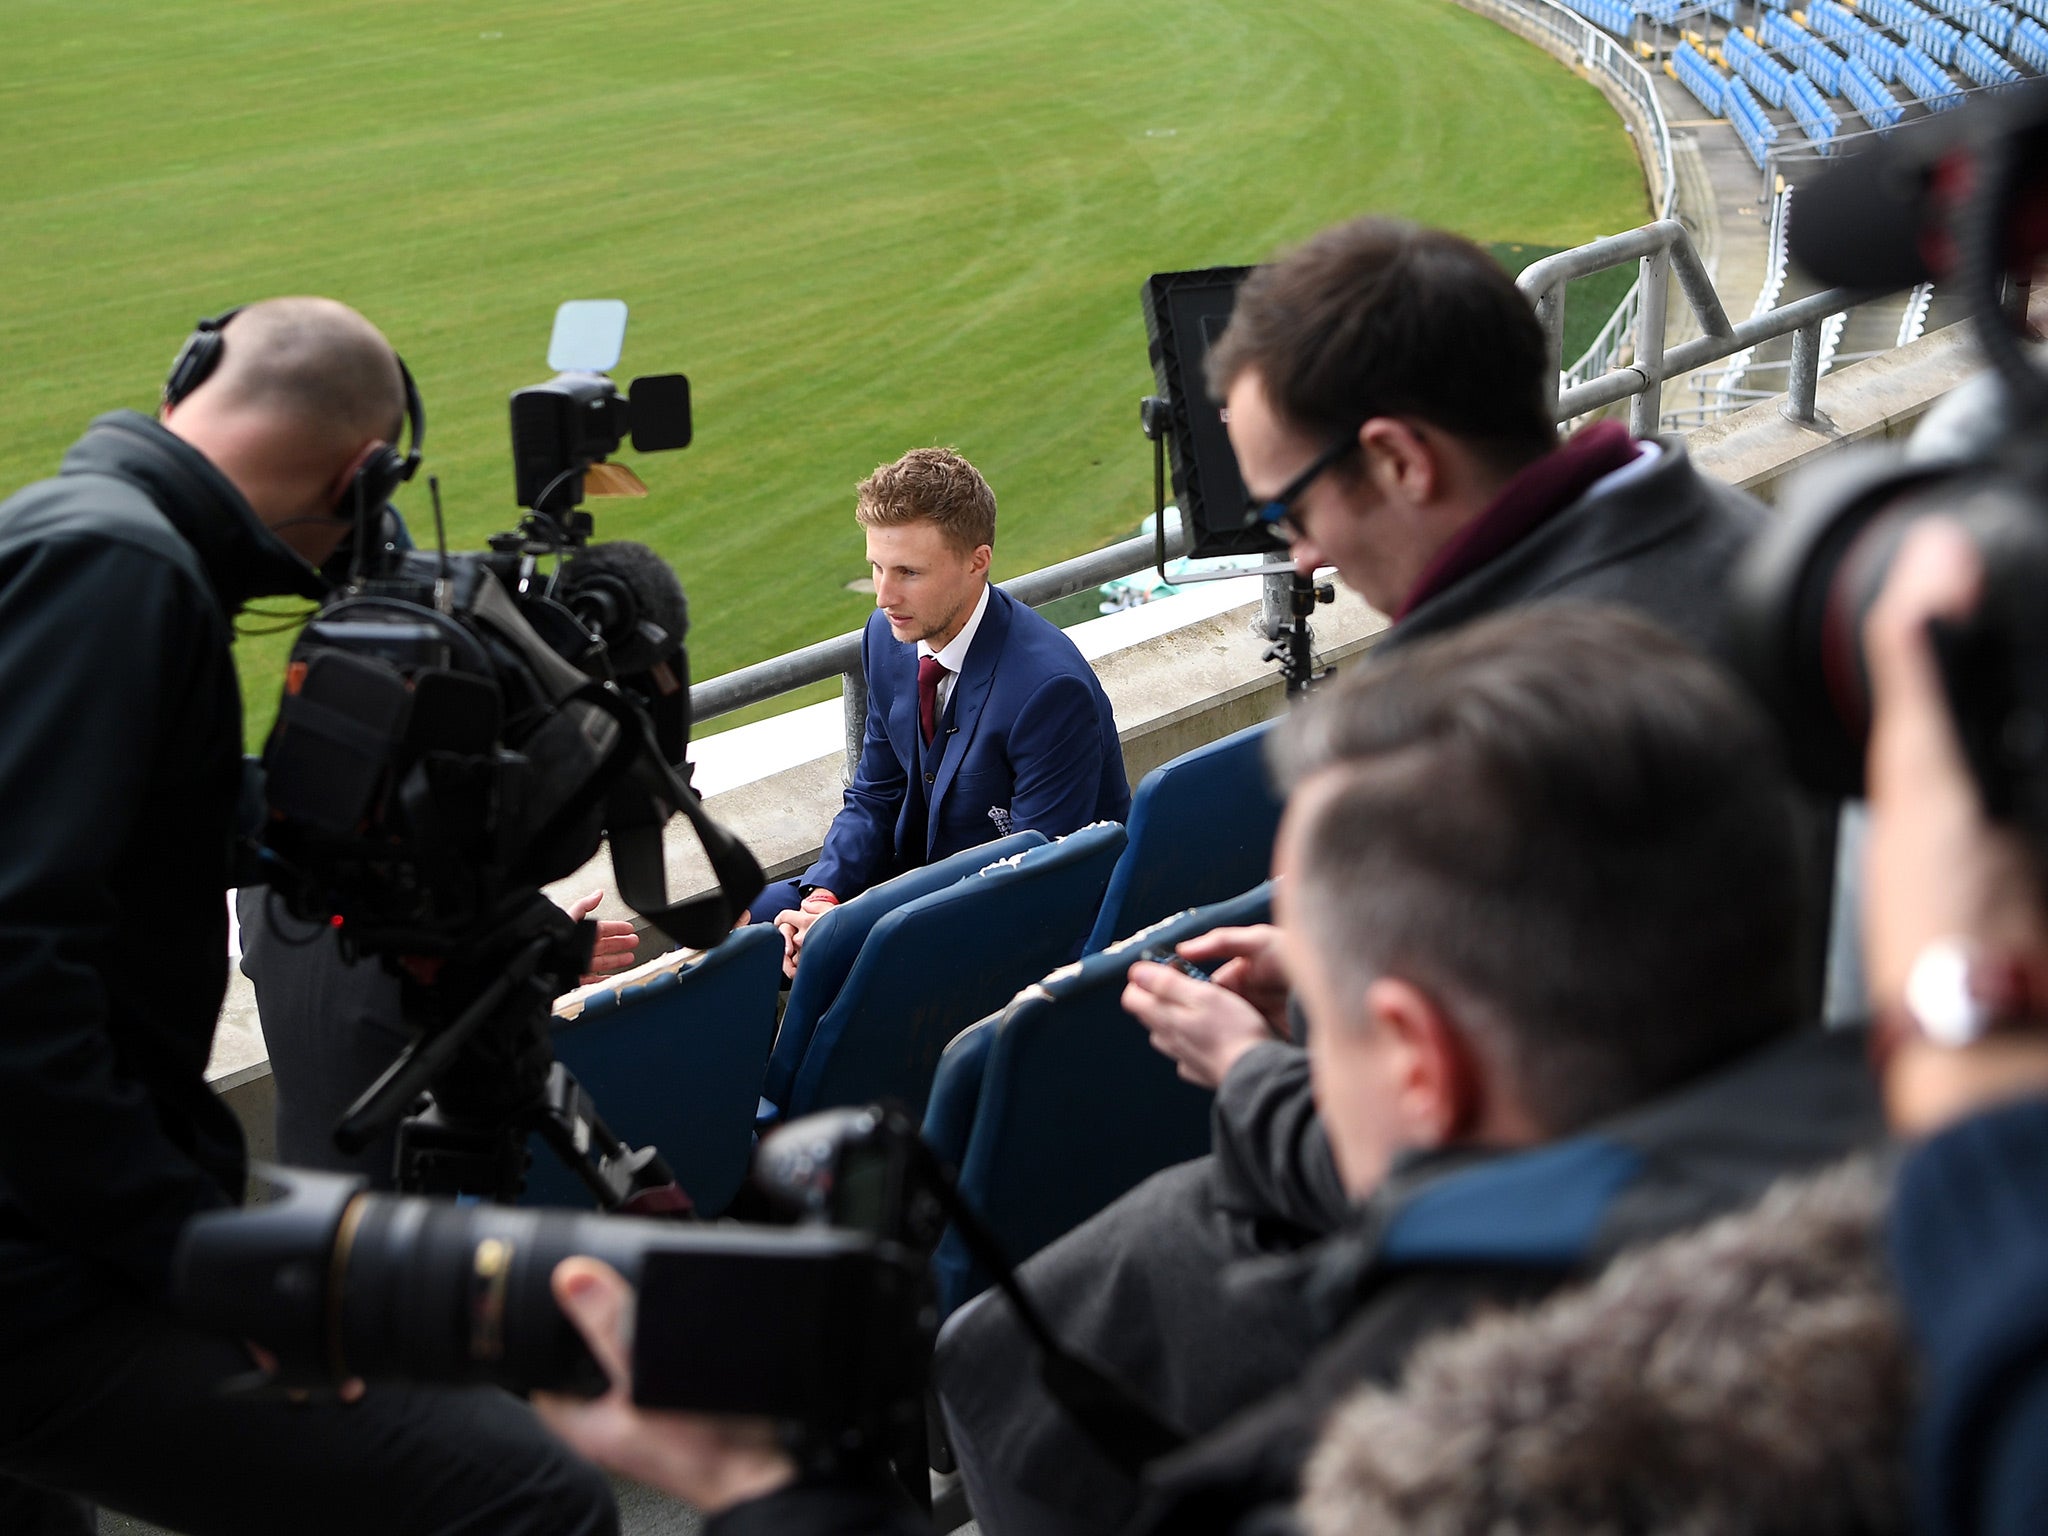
(119, 772)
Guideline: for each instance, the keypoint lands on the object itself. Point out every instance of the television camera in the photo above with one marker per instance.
(458, 730)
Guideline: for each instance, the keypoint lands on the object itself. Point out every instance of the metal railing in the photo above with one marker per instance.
(1665, 250)
(1601, 54)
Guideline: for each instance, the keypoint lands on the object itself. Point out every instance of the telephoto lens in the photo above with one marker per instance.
(337, 1283)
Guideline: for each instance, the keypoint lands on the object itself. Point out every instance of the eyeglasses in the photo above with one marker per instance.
(1280, 510)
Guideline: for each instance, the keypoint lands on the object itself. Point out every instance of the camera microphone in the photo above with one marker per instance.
(628, 594)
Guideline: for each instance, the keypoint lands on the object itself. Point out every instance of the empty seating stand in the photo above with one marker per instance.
(1928, 80)
(1898, 15)
(1869, 95)
(1201, 828)
(1765, 75)
(1995, 23)
(1820, 64)
(1616, 16)
(935, 965)
(1813, 114)
(1070, 1105)
(834, 942)
(676, 1061)
(1856, 38)
(2030, 44)
(1756, 132)
(1707, 84)
(1982, 63)
(1935, 38)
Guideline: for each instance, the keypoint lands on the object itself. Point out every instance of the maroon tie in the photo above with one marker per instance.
(929, 670)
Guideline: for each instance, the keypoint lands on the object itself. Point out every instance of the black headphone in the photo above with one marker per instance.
(380, 475)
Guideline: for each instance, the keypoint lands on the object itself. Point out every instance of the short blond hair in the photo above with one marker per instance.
(931, 485)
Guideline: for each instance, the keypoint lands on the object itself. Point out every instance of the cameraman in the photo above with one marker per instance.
(119, 773)
(1956, 935)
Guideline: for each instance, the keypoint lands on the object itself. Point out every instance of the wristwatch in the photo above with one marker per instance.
(1957, 993)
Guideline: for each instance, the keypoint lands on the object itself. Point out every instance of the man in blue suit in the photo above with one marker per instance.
(983, 719)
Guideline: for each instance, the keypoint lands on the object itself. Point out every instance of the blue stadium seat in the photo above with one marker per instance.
(2030, 43)
(834, 941)
(1616, 16)
(1857, 38)
(676, 1061)
(1869, 95)
(1813, 114)
(935, 965)
(1995, 23)
(1928, 80)
(956, 1089)
(1201, 829)
(1766, 76)
(1821, 64)
(1707, 84)
(1756, 132)
(1775, 29)
(1937, 39)
(1072, 1106)
(1983, 64)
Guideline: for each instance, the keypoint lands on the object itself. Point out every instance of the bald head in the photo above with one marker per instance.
(305, 391)
(315, 362)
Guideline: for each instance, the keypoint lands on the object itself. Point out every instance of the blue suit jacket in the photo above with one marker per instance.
(1027, 741)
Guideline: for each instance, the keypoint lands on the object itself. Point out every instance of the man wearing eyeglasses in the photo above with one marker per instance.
(1384, 392)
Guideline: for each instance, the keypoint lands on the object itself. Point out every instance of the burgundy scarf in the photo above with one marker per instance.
(1535, 495)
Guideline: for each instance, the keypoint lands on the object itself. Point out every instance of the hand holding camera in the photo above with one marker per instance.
(710, 1463)
(1955, 924)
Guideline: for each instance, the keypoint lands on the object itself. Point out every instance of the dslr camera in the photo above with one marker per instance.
(824, 1325)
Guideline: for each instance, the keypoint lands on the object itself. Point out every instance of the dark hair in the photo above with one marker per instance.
(1570, 829)
(1379, 317)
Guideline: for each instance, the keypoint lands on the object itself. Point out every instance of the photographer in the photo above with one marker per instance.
(119, 773)
(1956, 934)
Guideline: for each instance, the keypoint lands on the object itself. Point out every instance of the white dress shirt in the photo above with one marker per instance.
(954, 656)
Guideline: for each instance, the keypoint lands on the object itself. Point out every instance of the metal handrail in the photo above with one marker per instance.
(1666, 250)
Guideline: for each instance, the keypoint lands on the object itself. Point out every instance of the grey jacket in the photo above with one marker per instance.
(1661, 542)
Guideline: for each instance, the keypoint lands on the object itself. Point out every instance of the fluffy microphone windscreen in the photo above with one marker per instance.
(627, 588)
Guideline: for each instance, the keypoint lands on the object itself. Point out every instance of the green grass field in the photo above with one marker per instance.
(857, 226)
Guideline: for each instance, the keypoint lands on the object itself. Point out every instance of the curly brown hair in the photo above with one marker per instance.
(931, 485)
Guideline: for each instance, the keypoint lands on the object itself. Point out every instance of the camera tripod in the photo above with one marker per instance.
(470, 1089)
